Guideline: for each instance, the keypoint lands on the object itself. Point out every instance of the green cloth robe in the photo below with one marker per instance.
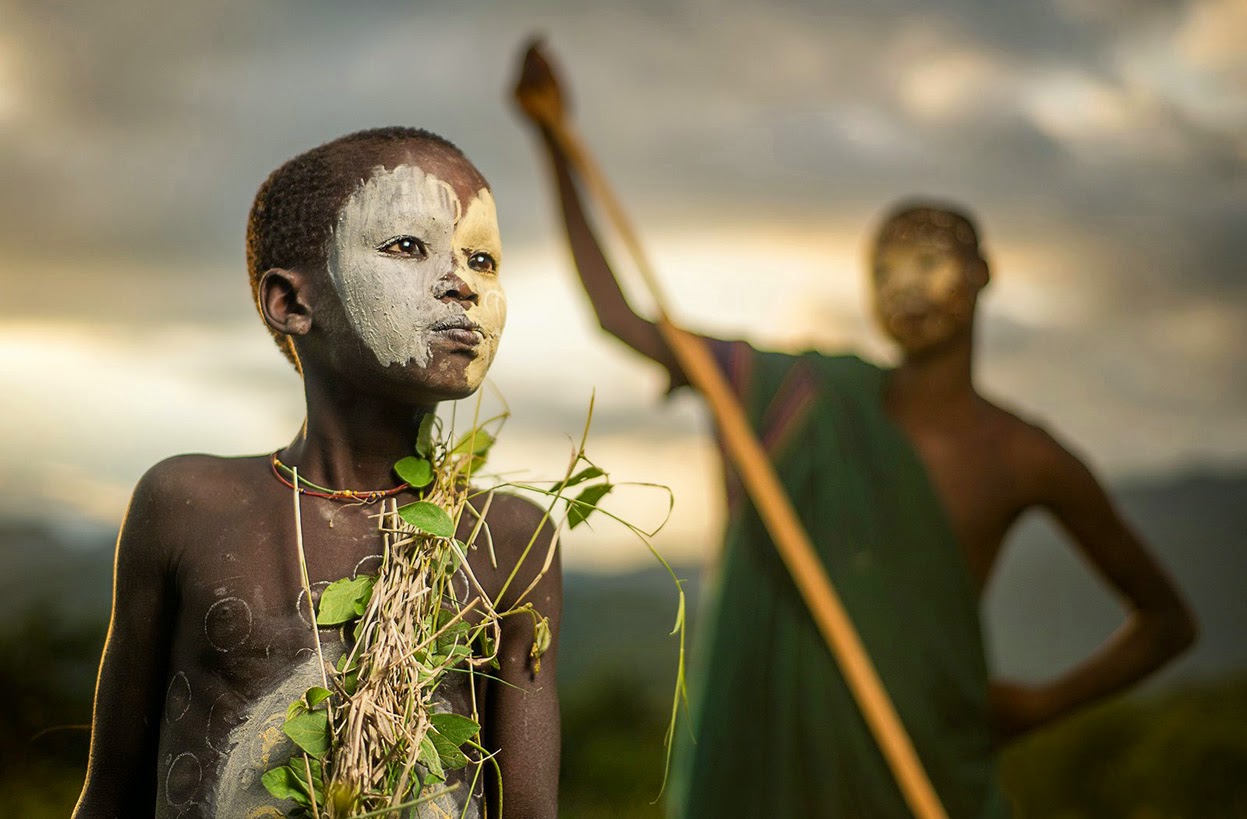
(777, 732)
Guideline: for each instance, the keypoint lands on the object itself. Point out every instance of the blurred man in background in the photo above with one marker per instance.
(907, 480)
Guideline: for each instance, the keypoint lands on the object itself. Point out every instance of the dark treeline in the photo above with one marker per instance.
(1180, 753)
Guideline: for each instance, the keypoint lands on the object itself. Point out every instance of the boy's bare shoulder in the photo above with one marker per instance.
(181, 489)
(173, 504)
(513, 520)
(516, 526)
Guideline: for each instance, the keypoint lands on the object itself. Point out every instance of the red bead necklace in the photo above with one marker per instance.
(330, 494)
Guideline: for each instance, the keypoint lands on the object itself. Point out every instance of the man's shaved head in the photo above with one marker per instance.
(927, 271)
(294, 212)
(932, 223)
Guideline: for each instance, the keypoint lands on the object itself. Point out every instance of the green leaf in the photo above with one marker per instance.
(456, 728)
(295, 708)
(541, 636)
(310, 731)
(417, 472)
(316, 695)
(458, 653)
(586, 474)
(344, 600)
(585, 504)
(431, 759)
(489, 648)
(300, 770)
(476, 442)
(452, 635)
(283, 784)
(424, 437)
(428, 517)
(448, 561)
(541, 641)
(448, 753)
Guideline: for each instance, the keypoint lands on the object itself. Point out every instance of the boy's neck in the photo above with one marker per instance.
(351, 440)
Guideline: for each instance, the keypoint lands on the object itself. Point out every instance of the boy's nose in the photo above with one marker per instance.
(452, 287)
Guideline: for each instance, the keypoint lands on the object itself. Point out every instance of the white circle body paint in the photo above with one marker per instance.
(393, 301)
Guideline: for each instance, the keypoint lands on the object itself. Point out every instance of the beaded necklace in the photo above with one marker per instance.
(280, 470)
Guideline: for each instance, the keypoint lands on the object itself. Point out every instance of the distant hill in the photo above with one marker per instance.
(1173, 749)
(67, 573)
(1044, 609)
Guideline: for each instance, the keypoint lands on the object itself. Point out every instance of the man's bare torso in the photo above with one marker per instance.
(983, 463)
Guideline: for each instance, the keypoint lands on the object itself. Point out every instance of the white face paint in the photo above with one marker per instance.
(400, 241)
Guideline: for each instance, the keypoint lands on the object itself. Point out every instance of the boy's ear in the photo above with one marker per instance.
(284, 301)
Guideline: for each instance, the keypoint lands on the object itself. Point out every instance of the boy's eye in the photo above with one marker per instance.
(405, 246)
(482, 263)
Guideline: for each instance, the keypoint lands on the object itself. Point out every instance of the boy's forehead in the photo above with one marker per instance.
(436, 161)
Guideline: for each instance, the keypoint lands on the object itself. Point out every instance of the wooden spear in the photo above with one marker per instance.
(758, 476)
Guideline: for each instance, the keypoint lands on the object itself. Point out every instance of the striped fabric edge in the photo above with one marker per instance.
(781, 420)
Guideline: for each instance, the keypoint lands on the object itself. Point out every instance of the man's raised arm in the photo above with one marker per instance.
(540, 98)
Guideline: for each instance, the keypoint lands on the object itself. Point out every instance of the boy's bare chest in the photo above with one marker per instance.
(246, 646)
(242, 592)
(245, 614)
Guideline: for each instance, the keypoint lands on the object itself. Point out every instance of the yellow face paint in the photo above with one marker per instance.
(477, 233)
(923, 295)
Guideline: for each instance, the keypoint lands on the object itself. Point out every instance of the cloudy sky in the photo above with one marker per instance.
(1103, 146)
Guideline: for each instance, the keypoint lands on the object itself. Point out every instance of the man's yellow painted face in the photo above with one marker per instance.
(924, 290)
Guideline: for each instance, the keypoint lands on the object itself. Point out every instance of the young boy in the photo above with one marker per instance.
(374, 260)
(907, 481)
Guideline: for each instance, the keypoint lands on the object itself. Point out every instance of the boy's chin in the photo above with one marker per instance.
(440, 380)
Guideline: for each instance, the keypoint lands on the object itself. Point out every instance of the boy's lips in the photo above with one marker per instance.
(459, 329)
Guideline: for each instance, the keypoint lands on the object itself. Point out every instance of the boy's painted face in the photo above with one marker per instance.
(416, 270)
(923, 293)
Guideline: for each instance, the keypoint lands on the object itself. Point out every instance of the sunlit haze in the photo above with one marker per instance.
(756, 146)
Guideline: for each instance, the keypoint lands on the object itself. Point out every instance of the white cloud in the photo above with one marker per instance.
(956, 84)
(1211, 39)
(90, 408)
(1198, 67)
(1109, 120)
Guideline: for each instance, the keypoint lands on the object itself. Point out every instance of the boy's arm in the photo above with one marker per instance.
(1158, 627)
(522, 719)
(541, 99)
(121, 771)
